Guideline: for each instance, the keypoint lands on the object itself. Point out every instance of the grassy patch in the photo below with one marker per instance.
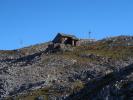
(31, 95)
(118, 52)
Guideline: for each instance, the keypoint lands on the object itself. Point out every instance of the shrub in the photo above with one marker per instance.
(77, 85)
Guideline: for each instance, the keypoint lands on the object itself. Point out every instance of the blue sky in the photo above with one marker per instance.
(27, 22)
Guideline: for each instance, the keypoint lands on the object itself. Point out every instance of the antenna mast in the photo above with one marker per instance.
(89, 34)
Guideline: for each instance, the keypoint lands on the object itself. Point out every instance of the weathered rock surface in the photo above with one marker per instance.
(67, 72)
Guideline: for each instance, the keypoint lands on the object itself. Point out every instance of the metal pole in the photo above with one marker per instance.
(89, 35)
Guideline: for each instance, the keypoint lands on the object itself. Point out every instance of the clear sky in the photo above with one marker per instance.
(27, 22)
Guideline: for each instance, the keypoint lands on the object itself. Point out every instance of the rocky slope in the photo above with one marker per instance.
(96, 71)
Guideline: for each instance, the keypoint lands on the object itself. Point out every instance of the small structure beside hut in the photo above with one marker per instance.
(66, 39)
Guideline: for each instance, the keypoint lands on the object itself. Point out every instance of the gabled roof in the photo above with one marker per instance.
(68, 35)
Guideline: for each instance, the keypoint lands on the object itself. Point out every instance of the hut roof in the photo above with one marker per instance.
(68, 35)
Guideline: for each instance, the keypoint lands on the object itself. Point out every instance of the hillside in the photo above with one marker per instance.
(93, 71)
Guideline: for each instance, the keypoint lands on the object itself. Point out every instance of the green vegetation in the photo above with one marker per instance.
(32, 95)
(9, 52)
(77, 85)
(103, 49)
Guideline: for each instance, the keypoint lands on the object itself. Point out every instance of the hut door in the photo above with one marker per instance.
(69, 41)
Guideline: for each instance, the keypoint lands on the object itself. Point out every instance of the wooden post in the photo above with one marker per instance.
(62, 40)
(73, 44)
